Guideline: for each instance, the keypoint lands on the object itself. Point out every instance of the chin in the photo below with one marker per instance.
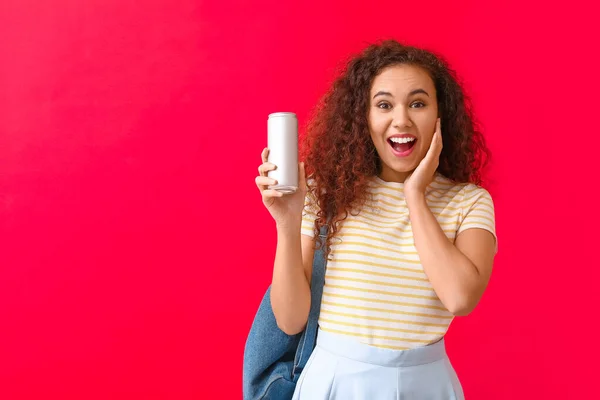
(403, 167)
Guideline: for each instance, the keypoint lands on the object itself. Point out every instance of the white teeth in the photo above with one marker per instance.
(402, 140)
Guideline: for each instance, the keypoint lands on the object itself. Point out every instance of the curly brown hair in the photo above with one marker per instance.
(339, 154)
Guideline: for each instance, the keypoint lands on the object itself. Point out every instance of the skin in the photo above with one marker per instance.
(402, 100)
(292, 269)
(459, 272)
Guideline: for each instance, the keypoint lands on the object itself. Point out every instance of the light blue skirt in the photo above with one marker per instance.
(342, 368)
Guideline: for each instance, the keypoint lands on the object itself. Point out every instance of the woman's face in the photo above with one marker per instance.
(402, 116)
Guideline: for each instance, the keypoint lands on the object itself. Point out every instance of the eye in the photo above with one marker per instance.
(384, 105)
(417, 104)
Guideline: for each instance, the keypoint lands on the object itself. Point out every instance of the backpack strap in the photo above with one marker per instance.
(309, 335)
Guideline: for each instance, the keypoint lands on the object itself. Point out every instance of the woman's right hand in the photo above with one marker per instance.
(286, 209)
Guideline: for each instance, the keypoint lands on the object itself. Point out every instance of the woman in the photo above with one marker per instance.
(394, 159)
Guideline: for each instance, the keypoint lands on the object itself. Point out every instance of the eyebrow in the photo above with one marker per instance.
(416, 91)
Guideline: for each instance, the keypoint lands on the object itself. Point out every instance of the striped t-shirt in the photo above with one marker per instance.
(375, 287)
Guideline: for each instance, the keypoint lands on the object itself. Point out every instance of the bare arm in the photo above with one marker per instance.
(290, 288)
(460, 272)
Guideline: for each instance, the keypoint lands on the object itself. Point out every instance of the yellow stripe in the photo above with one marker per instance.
(477, 193)
(377, 283)
(417, 271)
(443, 206)
(445, 184)
(479, 202)
(390, 347)
(374, 336)
(378, 240)
(310, 228)
(451, 216)
(383, 225)
(406, 221)
(389, 196)
(444, 192)
(361, 271)
(383, 328)
(396, 294)
(400, 213)
(430, 200)
(387, 311)
(379, 186)
(432, 203)
(308, 212)
(448, 223)
(437, 178)
(398, 221)
(345, 226)
(390, 204)
(452, 232)
(446, 195)
(394, 216)
(362, 253)
(487, 218)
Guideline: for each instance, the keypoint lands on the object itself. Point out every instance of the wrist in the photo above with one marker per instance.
(288, 227)
(415, 199)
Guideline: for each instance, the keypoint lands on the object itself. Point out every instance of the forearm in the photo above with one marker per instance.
(452, 275)
(290, 290)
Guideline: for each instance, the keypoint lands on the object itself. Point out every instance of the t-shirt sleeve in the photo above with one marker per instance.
(478, 211)
(309, 216)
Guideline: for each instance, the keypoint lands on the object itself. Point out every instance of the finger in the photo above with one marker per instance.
(302, 176)
(262, 182)
(266, 167)
(435, 148)
(271, 193)
(440, 141)
(265, 155)
(432, 146)
(436, 133)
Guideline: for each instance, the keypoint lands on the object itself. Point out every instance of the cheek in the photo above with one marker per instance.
(377, 125)
(427, 138)
(427, 127)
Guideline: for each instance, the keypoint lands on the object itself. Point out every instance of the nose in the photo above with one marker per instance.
(401, 118)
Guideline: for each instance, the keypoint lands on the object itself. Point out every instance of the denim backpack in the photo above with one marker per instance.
(273, 360)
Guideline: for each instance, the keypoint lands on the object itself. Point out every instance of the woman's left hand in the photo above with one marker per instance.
(422, 176)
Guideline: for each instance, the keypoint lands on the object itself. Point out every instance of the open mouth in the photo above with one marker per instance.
(402, 145)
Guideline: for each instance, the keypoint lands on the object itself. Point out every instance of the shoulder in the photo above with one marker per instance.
(444, 188)
(473, 193)
(462, 190)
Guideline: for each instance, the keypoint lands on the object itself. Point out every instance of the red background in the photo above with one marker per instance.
(134, 248)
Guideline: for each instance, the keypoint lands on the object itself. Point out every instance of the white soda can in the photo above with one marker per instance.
(282, 128)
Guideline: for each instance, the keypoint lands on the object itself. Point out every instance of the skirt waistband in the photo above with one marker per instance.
(343, 346)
